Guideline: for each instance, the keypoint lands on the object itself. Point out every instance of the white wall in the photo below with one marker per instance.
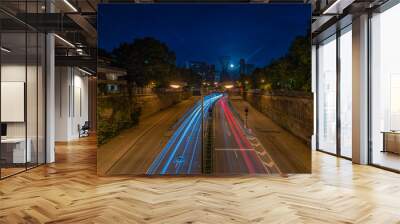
(62, 82)
(13, 73)
(33, 127)
(71, 102)
(50, 94)
(314, 90)
(81, 94)
(13, 101)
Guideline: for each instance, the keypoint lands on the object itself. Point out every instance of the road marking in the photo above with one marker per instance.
(253, 140)
(263, 153)
(270, 164)
(179, 160)
(232, 149)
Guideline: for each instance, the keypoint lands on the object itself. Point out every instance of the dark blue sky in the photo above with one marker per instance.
(204, 32)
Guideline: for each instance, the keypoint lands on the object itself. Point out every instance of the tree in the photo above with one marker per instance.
(146, 59)
(300, 58)
(290, 72)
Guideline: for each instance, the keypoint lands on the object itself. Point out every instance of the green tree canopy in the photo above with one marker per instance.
(149, 60)
(290, 72)
(146, 59)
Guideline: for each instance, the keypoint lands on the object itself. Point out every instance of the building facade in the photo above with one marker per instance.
(356, 82)
(49, 84)
(244, 68)
(203, 69)
(48, 79)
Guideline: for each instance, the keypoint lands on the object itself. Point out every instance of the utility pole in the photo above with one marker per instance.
(246, 112)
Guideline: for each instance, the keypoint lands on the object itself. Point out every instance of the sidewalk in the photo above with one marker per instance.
(133, 151)
(289, 152)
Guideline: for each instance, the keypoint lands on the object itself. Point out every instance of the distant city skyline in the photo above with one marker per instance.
(257, 33)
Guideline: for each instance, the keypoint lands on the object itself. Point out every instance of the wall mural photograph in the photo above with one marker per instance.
(204, 89)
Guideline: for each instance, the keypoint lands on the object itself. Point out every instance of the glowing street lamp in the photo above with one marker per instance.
(175, 86)
(228, 86)
(232, 65)
(262, 80)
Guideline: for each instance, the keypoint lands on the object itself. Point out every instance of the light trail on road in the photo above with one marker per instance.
(239, 136)
(182, 153)
(236, 150)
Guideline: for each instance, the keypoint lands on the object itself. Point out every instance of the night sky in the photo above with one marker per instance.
(204, 32)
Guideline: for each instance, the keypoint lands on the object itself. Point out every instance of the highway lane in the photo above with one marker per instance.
(134, 150)
(236, 150)
(289, 153)
(182, 153)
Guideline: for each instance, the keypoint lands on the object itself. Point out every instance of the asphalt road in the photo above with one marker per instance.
(236, 150)
(182, 155)
(134, 150)
(169, 142)
(287, 151)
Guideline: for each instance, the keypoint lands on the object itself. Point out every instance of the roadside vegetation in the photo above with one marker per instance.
(292, 72)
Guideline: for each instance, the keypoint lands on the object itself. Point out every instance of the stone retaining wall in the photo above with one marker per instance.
(118, 112)
(155, 102)
(293, 111)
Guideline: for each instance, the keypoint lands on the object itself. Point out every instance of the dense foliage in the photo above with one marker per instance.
(290, 72)
(147, 60)
(115, 113)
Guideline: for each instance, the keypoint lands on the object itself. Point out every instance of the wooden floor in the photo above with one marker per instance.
(387, 159)
(70, 192)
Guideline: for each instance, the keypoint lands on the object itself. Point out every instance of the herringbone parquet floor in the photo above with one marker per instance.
(69, 191)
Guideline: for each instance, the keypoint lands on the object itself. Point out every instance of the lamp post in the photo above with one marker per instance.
(246, 112)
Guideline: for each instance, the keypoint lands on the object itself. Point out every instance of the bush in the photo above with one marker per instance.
(125, 114)
(105, 131)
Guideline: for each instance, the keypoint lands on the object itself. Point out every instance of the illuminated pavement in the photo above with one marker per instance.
(135, 149)
(182, 153)
(169, 142)
(237, 151)
(289, 153)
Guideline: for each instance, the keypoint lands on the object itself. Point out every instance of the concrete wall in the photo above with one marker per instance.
(116, 112)
(291, 111)
(71, 102)
(153, 103)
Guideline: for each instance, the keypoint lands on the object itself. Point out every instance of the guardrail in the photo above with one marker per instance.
(208, 147)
